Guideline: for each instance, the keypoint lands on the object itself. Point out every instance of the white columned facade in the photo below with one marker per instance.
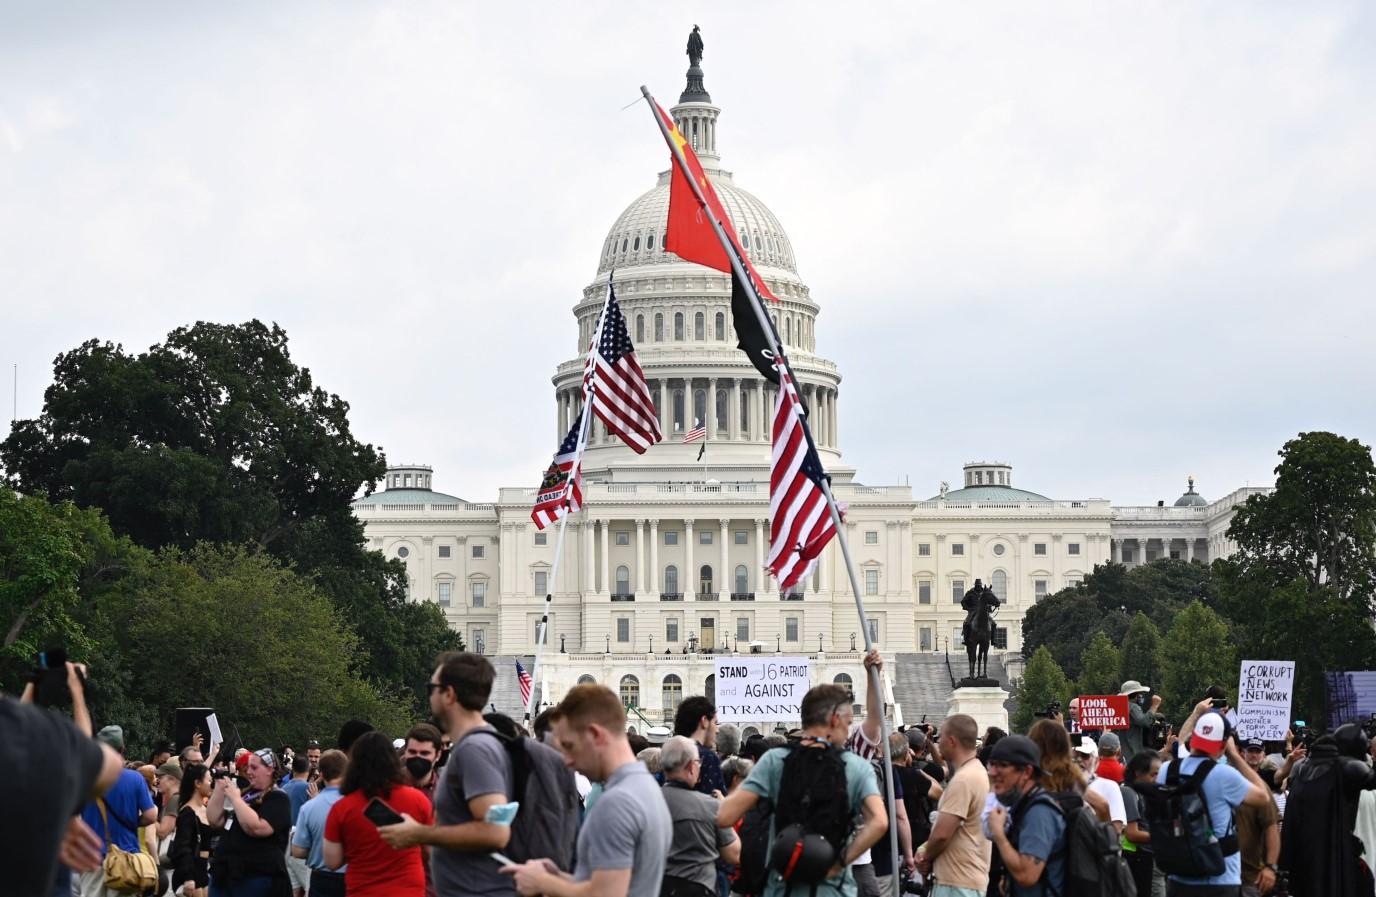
(640, 556)
(605, 526)
(733, 419)
(761, 578)
(690, 593)
(725, 582)
(654, 558)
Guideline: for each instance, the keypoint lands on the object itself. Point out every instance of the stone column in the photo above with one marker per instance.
(760, 576)
(691, 592)
(654, 558)
(1115, 550)
(606, 527)
(733, 428)
(835, 430)
(664, 409)
(709, 414)
(589, 569)
(725, 583)
(1189, 550)
(893, 570)
(1142, 550)
(640, 555)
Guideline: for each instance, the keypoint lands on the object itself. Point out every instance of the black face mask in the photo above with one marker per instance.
(418, 767)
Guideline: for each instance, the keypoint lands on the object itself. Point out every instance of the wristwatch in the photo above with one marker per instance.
(1272, 867)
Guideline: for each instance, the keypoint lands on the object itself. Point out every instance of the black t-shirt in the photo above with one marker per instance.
(51, 769)
(915, 799)
(238, 855)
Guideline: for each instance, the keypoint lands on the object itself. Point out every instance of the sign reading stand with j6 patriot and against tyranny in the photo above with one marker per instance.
(761, 689)
(1264, 691)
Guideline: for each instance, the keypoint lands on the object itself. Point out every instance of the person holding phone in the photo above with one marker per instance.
(375, 794)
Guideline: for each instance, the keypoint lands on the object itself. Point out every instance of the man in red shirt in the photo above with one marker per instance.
(1110, 763)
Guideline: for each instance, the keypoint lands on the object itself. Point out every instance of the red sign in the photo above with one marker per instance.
(1103, 711)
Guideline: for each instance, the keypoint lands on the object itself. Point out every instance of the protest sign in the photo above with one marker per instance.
(1265, 689)
(1103, 711)
(761, 689)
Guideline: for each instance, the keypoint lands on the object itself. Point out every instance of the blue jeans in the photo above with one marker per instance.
(260, 886)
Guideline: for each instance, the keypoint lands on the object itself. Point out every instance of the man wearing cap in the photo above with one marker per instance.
(127, 807)
(1087, 755)
(1110, 762)
(1033, 847)
(167, 779)
(921, 780)
(1225, 788)
(1142, 705)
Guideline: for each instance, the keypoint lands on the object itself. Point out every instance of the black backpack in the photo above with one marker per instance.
(1184, 838)
(1094, 864)
(754, 835)
(546, 824)
(813, 803)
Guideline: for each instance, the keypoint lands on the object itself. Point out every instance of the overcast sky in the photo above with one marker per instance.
(1109, 249)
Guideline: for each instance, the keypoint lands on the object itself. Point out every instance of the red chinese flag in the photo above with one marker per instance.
(689, 234)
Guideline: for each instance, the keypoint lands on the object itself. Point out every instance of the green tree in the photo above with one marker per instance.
(1319, 524)
(1060, 623)
(237, 631)
(1043, 681)
(1198, 653)
(1141, 654)
(216, 435)
(1099, 666)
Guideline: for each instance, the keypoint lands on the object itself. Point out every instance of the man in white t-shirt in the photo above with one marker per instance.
(1087, 755)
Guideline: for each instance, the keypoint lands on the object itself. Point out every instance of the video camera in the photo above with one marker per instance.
(1053, 709)
(1304, 734)
(1369, 726)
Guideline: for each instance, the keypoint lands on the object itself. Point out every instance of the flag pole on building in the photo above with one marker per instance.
(771, 335)
(565, 510)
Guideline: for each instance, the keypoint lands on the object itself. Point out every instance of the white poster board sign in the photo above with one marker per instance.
(761, 689)
(1265, 689)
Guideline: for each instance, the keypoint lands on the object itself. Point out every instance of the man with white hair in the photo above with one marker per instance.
(690, 870)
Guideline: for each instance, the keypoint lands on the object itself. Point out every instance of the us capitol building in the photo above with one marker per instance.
(663, 567)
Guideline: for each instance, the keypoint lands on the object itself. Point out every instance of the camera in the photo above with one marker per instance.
(1304, 735)
(222, 774)
(1369, 726)
(1053, 709)
(1159, 728)
(49, 678)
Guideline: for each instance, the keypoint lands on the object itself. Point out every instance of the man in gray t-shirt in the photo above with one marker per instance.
(627, 833)
(698, 842)
(477, 765)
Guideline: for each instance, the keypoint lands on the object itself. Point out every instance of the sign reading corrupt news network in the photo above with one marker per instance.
(761, 689)
(1103, 711)
(1265, 689)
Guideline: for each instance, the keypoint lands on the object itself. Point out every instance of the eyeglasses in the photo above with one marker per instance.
(431, 686)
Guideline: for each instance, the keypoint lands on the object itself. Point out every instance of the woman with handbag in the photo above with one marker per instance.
(190, 851)
(251, 857)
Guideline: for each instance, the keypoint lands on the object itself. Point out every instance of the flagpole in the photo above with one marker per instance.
(767, 325)
(591, 374)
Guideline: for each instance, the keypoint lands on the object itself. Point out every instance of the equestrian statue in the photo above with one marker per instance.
(980, 604)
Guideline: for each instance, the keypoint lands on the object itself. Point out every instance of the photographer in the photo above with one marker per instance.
(55, 767)
(251, 857)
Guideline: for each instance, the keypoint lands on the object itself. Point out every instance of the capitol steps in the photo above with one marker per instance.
(922, 683)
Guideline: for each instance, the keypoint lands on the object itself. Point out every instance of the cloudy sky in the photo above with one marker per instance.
(1112, 248)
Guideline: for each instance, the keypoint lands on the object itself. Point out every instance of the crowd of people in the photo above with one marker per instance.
(580, 805)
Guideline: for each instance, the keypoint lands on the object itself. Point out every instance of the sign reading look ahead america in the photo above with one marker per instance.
(761, 689)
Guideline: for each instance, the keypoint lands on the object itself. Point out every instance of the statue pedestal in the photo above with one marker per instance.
(983, 702)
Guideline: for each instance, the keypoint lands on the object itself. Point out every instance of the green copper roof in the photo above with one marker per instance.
(991, 493)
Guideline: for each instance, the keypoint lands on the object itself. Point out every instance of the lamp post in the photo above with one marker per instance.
(778, 644)
(852, 642)
(692, 643)
(652, 644)
(609, 643)
(819, 643)
(561, 644)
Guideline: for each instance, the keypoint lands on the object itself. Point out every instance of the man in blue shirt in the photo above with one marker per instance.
(128, 806)
(1033, 850)
(307, 841)
(298, 790)
(1225, 787)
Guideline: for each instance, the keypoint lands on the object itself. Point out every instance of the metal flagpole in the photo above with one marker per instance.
(768, 327)
(588, 388)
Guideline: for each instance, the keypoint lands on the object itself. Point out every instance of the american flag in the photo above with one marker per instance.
(561, 490)
(619, 394)
(693, 435)
(800, 523)
(526, 683)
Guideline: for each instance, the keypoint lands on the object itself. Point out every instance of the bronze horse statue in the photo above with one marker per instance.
(980, 604)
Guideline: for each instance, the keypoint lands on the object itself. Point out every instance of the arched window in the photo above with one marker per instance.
(843, 680)
(742, 579)
(650, 243)
(678, 326)
(700, 406)
(721, 327)
(745, 412)
(630, 691)
(585, 679)
(623, 244)
(673, 694)
(723, 403)
(745, 239)
(999, 583)
(635, 247)
(705, 578)
(711, 688)
(640, 328)
(788, 331)
(671, 580)
(678, 411)
(659, 327)
(623, 580)
(699, 327)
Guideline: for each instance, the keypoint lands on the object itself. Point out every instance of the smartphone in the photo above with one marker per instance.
(380, 814)
(501, 858)
(1220, 703)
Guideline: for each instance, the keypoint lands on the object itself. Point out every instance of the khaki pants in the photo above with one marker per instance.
(92, 884)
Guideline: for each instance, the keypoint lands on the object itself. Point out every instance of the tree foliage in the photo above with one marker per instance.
(1141, 653)
(1043, 681)
(1198, 653)
(1099, 666)
(216, 435)
(1319, 525)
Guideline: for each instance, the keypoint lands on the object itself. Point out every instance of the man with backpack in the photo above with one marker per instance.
(486, 770)
(1190, 814)
(1033, 847)
(817, 789)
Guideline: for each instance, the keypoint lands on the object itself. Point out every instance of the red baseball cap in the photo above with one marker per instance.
(1208, 734)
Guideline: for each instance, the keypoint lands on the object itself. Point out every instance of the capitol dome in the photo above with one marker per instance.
(1191, 499)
